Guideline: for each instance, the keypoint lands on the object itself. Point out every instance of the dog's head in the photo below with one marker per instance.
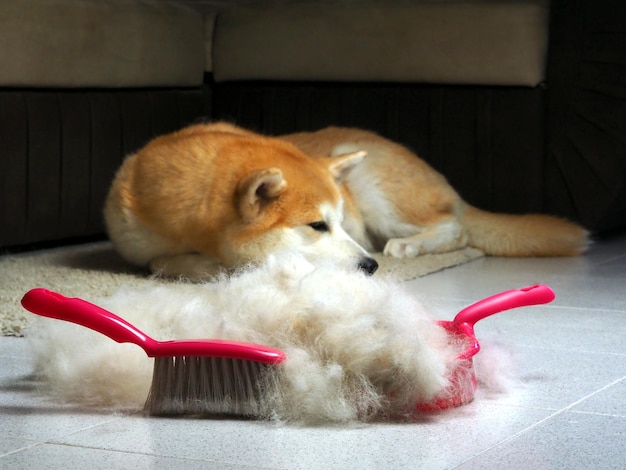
(295, 204)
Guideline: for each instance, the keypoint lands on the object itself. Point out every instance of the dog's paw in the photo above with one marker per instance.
(403, 248)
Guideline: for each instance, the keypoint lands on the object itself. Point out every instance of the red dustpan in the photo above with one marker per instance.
(463, 383)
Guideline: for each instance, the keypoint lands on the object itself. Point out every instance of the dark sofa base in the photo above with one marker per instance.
(586, 114)
(60, 150)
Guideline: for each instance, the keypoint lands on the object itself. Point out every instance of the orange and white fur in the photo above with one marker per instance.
(215, 196)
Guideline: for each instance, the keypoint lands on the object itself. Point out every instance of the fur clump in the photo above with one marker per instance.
(496, 368)
(358, 348)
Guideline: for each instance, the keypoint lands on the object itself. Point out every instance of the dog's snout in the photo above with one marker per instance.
(369, 265)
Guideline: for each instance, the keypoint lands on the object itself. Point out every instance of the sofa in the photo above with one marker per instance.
(520, 103)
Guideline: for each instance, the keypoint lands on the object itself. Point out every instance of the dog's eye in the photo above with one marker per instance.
(320, 226)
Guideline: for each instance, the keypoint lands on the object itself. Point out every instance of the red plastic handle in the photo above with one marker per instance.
(54, 305)
(532, 295)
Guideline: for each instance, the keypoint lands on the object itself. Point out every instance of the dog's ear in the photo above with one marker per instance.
(340, 165)
(257, 189)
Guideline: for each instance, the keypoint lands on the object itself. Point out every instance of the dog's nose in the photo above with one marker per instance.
(369, 265)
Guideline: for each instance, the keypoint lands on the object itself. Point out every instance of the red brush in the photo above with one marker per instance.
(190, 377)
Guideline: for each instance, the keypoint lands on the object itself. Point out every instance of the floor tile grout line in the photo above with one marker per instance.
(587, 309)
(572, 349)
(607, 415)
(119, 451)
(65, 444)
(58, 440)
(541, 421)
(610, 260)
(21, 449)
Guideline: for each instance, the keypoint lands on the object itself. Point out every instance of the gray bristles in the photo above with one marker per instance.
(211, 386)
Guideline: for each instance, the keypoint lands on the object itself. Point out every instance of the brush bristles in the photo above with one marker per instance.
(211, 386)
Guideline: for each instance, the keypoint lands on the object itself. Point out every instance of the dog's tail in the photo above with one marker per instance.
(522, 235)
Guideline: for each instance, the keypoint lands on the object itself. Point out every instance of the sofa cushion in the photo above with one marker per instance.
(497, 42)
(100, 43)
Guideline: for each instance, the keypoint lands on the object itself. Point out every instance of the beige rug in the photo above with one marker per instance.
(95, 270)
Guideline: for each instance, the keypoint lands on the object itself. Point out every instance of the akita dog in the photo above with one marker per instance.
(215, 196)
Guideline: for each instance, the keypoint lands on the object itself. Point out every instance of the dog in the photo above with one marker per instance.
(214, 196)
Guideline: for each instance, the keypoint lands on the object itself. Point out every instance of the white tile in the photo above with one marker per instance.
(9, 445)
(607, 249)
(572, 441)
(45, 423)
(67, 457)
(597, 287)
(577, 330)
(556, 379)
(11, 346)
(608, 401)
(26, 412)
(438, 443)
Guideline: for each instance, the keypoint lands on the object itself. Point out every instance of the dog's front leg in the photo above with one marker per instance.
(439, 238)
(189, 266)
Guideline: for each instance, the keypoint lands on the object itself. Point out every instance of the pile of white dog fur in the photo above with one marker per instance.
(357, 347)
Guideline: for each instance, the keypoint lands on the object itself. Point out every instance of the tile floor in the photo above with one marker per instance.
(568, 413)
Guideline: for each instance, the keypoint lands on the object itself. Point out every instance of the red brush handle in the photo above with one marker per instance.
(53, 305)
(532, 295)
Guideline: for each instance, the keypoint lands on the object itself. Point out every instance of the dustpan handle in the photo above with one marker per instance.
(531, 295)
